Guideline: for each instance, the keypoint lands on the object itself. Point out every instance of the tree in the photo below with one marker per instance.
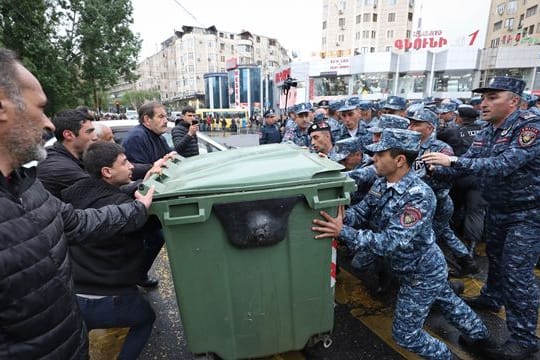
(76, 48)
(135, 98)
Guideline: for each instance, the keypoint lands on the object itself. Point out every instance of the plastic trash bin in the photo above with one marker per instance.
(250, 279)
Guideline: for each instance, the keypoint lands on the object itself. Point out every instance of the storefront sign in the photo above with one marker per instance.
(237, 88)
(282, 75)
(231, 63)
(431, 39)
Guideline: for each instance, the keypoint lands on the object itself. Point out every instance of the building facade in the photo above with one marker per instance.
(177, 70)
(351, 27)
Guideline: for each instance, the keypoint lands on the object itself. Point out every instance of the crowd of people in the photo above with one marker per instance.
(77, 241)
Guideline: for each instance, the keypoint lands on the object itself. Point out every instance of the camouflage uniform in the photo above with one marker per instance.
(395, 222)
(507, 162)
(296, 136)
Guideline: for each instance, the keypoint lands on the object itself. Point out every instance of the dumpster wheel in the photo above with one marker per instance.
(325, 339)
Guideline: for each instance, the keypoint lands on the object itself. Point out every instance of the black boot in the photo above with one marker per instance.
(467, 266)
(481, 303)
(511, 350)
(457, 286)
(478, 346)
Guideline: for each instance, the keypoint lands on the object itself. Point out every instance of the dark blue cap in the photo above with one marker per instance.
(447, 107)
(529, 98)
(395, 103)
(467, 111)
(323, 103)
(396, 139)
(388, 121)
(345, 147)
(336, 104)
(475, 100)
(365, 105)
(303, 107)
(319, 117)
(425, 115)
(350, 104)
(503, 83)
(319, 126)
(270, 112)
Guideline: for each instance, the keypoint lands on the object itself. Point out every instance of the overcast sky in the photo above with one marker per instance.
(296, 24)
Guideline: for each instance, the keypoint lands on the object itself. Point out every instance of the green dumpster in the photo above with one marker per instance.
(249, 277)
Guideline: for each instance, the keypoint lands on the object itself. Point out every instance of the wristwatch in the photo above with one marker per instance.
(453, 160)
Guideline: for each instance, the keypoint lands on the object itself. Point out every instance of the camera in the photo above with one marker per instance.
(289, 82)
(194, 122)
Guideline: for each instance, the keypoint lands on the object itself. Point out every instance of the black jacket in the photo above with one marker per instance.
(60, 169)
(184, 144)
(39, 316)
(114, 266)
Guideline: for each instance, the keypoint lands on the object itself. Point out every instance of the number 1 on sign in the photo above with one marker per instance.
(473, 37)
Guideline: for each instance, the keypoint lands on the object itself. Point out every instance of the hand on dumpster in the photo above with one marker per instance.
(330, 226)
(145, 199)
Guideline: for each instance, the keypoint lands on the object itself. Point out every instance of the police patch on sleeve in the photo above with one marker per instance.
(527, 136)
(410, 217)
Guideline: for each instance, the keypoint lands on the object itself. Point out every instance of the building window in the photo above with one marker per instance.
(190, 56)
(324, 41)
(222, 46)
(365, 34)
(191, 68)
(374, 17)
(373, 34)
(494, 43)
(497, 25)
(368, 2)
(367, 17)
(357, 35)
(389, 34)
(364, 50)
(324, 25)
(341, 22)
(500, 8)
(392, 2)
(410, 16)
(341, 38)
(538, 28)
(512, 7)
(391, 17)
(358, 19)
(388, 49)
(222, 58)
(531, 11)
(509, 23)
(372, 49)
(408, 34)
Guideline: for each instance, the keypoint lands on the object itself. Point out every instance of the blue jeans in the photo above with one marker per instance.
(131, 311)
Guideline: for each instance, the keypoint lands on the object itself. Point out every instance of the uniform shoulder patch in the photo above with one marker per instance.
(410, 217)
(527, 136)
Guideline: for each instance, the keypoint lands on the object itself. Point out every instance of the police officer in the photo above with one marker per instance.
(425, 122)
(270, 133)
(298, 134)
(330, 117)
(505, 155)
(350, 115)
(394, 221)
(321, 138)
(395, 105)
(447, 114)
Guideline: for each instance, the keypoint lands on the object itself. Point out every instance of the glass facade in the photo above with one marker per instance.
(331, 85)
(245, 87)
(216, 91)
(453, 81)
(411, 82)
(373, 83)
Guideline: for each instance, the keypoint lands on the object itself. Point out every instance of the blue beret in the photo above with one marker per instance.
(396, 139)
(319, 126)
(503, 83)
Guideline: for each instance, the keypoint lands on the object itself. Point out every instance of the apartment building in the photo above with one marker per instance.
(177, 70)
(352, 27)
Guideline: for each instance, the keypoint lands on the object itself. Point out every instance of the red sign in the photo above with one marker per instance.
(231, 63)
(282, 75)
(420, 43)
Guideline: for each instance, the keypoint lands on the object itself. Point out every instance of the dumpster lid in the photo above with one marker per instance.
(249, 168)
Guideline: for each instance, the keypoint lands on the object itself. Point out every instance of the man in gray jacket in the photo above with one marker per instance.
(39, 317)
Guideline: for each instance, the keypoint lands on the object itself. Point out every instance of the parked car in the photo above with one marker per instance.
(120, 128)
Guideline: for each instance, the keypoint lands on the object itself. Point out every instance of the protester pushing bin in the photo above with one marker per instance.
(250, 278)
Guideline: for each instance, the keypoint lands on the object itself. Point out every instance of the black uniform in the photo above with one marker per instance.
(270, 134)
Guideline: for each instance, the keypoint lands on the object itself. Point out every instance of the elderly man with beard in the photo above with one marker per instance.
(40, 316)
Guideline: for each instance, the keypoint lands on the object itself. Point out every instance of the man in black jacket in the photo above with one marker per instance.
(184, 134)
(74, 132)
(39, 317)
(106, 274)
